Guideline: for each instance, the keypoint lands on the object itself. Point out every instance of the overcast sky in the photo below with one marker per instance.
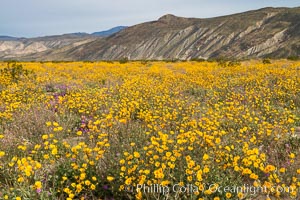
(31, 18)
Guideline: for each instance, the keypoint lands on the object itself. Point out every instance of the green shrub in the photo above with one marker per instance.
(16, 72)
(266, 61)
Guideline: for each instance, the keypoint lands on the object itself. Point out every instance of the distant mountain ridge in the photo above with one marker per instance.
(100, 33)
(9, 38)
(267, 32)
(110, 31)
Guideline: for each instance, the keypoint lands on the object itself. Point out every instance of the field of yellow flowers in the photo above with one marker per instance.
(150, 130)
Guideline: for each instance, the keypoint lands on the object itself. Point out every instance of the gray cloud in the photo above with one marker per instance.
(36, 18)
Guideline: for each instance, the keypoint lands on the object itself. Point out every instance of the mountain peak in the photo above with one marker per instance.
(168, 18)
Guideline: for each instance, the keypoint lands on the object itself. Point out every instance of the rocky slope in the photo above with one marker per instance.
(14, 48)
(268, 32)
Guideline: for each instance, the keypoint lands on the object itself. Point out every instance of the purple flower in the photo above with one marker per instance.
(105, 187)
